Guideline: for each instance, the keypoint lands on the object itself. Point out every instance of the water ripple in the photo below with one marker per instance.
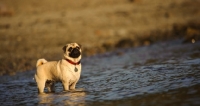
(150, 74)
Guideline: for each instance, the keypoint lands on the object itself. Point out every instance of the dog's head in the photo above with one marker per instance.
(72, 51)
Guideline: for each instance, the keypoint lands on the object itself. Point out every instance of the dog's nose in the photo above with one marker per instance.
(75, 53)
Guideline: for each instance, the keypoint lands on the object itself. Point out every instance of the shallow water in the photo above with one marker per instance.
(161, 74)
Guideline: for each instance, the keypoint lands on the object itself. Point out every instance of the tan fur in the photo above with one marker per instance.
(40, 62)
(48, 73)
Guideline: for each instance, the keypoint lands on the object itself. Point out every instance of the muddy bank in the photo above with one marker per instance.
(30, 30)
(20, 61)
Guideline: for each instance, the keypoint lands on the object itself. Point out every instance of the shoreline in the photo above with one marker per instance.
(114, 52)
(29, 30)
(21, 64)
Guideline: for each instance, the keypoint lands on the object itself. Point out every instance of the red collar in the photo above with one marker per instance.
(73, 62)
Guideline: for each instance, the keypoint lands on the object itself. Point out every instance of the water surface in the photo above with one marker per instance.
(161, 74)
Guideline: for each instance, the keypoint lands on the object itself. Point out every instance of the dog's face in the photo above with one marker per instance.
(72, 50)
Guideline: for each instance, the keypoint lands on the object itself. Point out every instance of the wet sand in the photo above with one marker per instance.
(30, 30)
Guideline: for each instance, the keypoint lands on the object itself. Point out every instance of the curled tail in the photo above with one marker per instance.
(40, 62)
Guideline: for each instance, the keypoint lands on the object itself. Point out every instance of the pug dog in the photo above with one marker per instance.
(67, 71)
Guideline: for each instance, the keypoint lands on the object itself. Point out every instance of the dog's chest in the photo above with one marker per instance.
(73, 72)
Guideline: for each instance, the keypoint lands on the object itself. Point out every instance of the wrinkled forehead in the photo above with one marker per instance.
(73, 45)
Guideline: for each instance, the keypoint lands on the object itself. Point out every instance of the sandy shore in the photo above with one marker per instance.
(30, 30)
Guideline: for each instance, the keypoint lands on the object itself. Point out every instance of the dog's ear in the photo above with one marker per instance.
(79, 45)
(64, 48)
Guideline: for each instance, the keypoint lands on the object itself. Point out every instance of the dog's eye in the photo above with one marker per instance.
(70, 49)
(78, 47)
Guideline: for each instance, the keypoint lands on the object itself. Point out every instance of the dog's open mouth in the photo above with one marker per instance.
(75, 53)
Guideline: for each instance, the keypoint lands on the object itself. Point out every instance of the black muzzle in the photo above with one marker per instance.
(75, 53)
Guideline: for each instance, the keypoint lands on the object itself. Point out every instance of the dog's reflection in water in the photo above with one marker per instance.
(72, 97)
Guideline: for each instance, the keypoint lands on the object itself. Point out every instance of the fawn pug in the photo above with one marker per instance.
(67, 71)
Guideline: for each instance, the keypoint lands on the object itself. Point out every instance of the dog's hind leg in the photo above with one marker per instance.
(51, 88)
(41, 86)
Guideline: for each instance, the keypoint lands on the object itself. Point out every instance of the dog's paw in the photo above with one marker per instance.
(42, 93)
(66, 91)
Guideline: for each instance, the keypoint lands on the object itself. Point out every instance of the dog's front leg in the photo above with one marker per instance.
(72, 87)
(66, 85)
